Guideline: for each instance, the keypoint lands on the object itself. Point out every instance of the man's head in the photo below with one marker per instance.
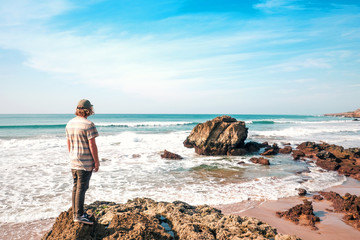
(84, 108)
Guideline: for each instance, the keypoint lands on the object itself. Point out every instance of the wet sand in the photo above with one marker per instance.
(27, 230)
(331, 226)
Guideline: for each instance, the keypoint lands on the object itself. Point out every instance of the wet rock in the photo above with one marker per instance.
(170, 155)
(301, 192)
(348, 204)
(237, 152)
(302, 214)
(252, 147)
(146, 219)
(218, 136)
(318, 197)
(285, 150)
(271, 150)
(241, 162)
(332, 157)
(260, 160)
(297, 154)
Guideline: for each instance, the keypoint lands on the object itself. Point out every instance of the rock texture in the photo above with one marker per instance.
(301, 192)
(302, 214)
(146, 219)
(331, 157)
(285, 150)
(221, 136)
(260, 160)
(348, 204)
(354, 114)
(169, 155)
(271, 150)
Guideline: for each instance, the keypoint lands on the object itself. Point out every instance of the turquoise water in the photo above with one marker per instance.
(28, 125)
(36, 181)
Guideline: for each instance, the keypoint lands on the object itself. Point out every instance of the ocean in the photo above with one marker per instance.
(36, 180)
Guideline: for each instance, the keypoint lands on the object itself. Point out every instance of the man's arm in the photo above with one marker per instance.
(94, 153)
(68, 144)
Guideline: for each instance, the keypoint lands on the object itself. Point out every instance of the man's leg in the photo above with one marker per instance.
(83, 179)
(74, 191)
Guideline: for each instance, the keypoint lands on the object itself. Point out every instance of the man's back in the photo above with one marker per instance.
(79, 131)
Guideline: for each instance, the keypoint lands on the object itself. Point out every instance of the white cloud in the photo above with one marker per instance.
(21, 11)
(275, 5)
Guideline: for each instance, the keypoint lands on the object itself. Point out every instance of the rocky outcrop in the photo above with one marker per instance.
(146, 219)
(260, 160)
(221, 136)
(302, 214)
(331, 157)
(297, 155)
(348, 204)
(169, 155)
(354, 114)
(271, 150)
(286, 150)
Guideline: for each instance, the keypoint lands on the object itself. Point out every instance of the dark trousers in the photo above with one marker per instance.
(81, 184)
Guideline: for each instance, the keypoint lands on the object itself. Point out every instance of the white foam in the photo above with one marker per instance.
(142, 124)
(36, 179)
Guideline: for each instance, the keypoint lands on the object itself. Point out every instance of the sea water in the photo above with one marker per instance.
(36, 181)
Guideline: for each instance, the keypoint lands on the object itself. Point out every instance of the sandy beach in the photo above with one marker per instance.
(331, 226)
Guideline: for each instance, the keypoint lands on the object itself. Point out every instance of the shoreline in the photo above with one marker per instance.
(331, 226)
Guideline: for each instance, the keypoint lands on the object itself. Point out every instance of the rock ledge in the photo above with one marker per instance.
(144, 218)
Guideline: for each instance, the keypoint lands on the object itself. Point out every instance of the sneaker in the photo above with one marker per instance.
(84, 219)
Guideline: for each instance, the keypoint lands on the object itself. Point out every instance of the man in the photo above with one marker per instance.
(81, 134)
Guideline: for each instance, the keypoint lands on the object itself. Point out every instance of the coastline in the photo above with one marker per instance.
(331, 226)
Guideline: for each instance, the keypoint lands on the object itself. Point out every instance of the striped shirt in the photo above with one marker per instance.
(78, 131)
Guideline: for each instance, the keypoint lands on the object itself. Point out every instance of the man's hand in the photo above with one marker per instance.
(96, 166)
(94, 153)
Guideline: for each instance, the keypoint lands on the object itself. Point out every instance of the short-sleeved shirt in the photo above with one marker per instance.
(79, 131)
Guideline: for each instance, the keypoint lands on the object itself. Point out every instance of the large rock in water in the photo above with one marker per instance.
(221, 136)
(146, 219)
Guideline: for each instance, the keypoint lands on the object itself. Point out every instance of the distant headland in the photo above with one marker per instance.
(354, 114)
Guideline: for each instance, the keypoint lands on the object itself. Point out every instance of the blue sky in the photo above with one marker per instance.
(180, 56)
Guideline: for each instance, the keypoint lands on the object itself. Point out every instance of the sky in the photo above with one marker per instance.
(180, 56)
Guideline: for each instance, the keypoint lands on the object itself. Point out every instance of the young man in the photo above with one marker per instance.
(81, 134)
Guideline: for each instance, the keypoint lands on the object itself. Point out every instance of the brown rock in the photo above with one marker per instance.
(354, 114)
(260, 160)
(332, 157)
(348, 204)
(146, 219)
(136, 155)
(252, 147)
(237, 152)
(318, 197)
(302, 214)
(271, 150)
(218, 136)
(297, 154)
(170, 155)
(302, 192)
(286, 150)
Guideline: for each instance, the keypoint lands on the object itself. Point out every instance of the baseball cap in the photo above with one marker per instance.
(84, 103)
